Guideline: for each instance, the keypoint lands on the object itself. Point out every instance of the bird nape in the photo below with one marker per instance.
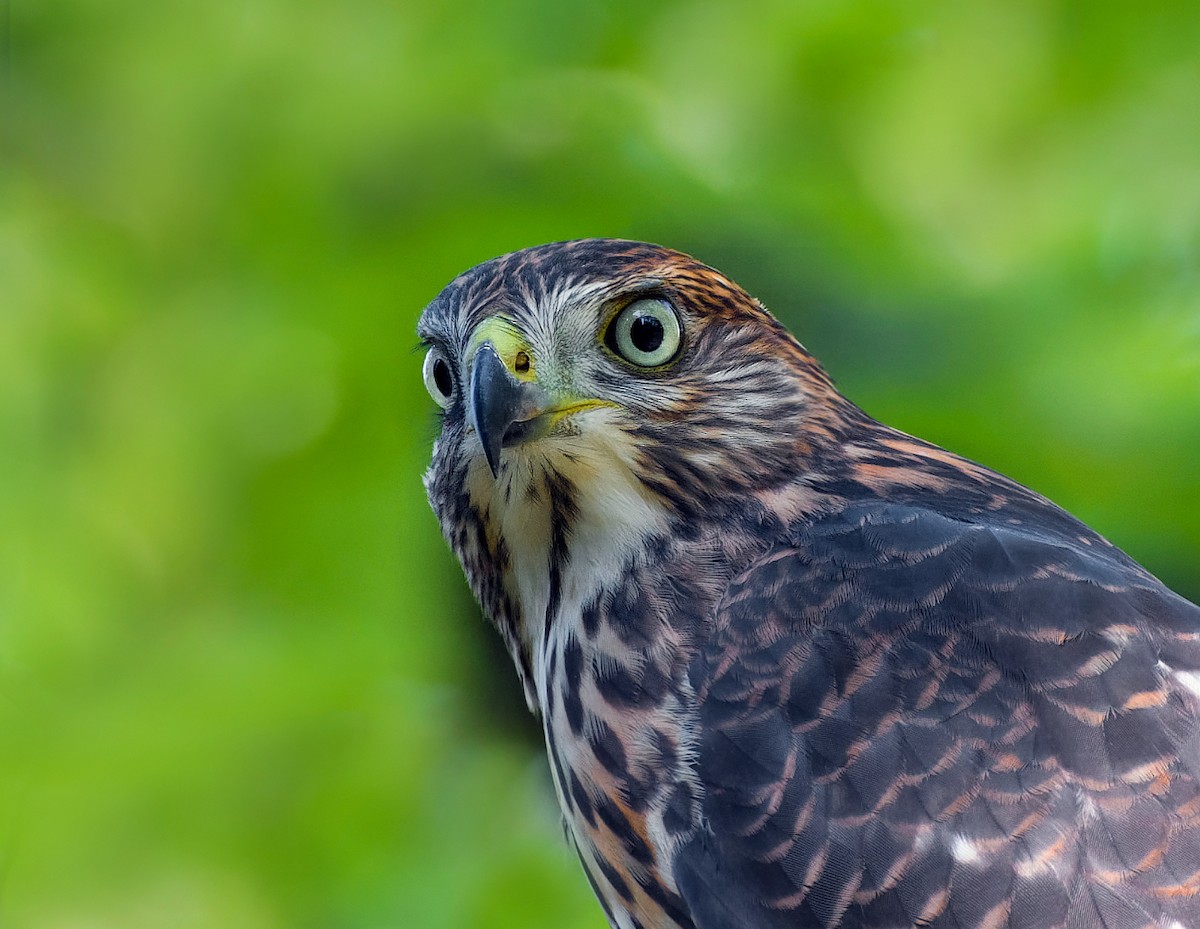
(796, 668)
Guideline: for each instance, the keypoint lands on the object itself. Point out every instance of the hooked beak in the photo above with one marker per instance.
(502, 408)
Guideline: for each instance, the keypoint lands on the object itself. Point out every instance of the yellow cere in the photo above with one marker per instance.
(514, 350)
(510, 345)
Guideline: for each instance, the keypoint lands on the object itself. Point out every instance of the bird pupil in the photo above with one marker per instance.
(646, 333)
(441, 377)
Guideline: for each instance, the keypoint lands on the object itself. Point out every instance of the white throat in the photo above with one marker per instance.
(605, 522)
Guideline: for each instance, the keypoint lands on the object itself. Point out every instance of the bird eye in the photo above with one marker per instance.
(646, 333)
(438, 379)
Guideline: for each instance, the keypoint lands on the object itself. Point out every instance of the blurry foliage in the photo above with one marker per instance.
(241, 683)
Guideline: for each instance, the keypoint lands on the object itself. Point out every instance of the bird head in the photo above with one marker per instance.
(595, 394)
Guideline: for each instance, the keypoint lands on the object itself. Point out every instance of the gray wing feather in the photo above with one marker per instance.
(910, 720)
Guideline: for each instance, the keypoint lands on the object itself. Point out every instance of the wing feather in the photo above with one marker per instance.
(907, 719)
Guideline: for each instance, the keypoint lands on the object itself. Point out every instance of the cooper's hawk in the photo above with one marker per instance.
(796, 668)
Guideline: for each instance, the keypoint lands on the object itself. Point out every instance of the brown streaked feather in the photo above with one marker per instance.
(969, 745)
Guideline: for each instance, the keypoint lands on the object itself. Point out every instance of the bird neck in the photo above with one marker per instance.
(560, 532)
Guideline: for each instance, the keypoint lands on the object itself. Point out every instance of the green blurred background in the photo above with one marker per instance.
(241, 681)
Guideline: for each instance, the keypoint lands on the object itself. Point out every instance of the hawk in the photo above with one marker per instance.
(796, 668)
